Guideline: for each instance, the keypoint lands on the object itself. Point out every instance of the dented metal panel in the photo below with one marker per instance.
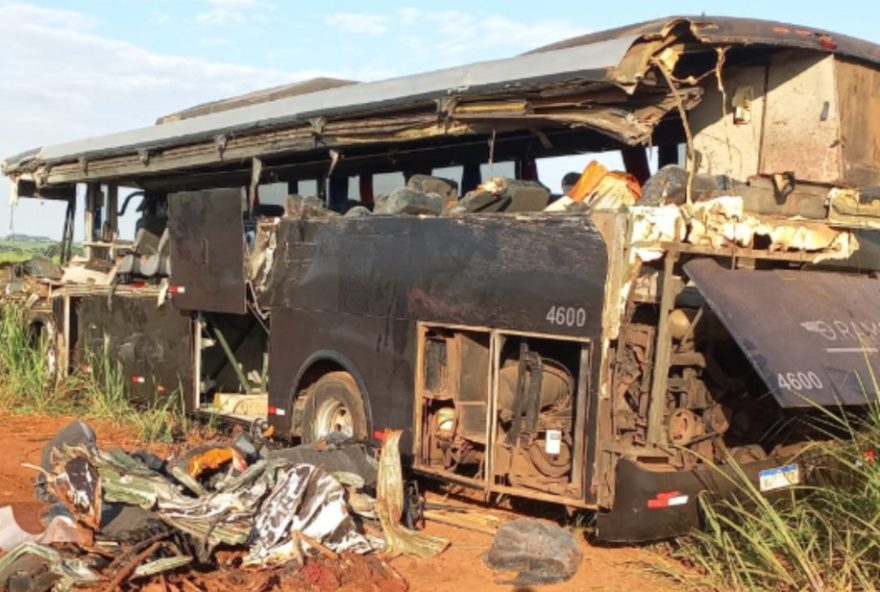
(802, 119)
(431, 269)
(858, 89)
(728, 135)
(207, 250)
(153, 346)
(810, 335)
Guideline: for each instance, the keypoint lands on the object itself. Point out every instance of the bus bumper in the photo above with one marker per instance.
(651, 505)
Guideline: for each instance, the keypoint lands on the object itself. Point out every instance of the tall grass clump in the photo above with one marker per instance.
(821, 536)
(102, 394)
(26, 384)
(96, 391)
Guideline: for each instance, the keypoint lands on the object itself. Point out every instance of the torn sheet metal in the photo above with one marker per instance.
(389, 506)
(816, 336)
(44, 569)
(722, 224)
(305, 501)
(151, 568)
(78, 486)
(852, 207)
(655, 224)
(60, 529)
(270, 500)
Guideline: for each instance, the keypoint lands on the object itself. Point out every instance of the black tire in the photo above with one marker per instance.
(334, 404)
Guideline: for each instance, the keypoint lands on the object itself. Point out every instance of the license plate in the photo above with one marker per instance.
(779, 477)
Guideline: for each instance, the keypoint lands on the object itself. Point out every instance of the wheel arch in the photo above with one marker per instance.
(321, 363)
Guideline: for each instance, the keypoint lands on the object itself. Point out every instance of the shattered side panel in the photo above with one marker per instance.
(152, 345)
(494, 271)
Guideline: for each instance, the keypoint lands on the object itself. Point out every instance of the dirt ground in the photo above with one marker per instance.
(458, 568)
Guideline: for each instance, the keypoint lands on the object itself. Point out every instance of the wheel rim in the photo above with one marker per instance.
(331, 417)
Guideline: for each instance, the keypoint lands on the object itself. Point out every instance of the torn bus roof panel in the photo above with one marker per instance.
(521, 93)
(261, 96)
(733, 30)
(583, 62)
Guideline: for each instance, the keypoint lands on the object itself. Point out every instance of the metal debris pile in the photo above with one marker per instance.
(229, 515)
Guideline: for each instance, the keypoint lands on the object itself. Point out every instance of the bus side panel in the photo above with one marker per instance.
(378, 352)
(492, 271)
(357, 286)
(152, 346)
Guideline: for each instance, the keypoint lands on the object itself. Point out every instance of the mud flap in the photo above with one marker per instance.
(207, 250)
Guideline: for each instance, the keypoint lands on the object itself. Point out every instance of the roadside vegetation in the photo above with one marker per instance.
(96, 391)
(820, 537)
(18, 248)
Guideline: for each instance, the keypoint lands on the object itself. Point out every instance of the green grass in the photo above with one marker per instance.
(20, 247)
(27, 386)
(817, 537)
(14, 256)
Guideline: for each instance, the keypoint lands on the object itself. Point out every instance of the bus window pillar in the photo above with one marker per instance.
(92, 191)
(112, 224)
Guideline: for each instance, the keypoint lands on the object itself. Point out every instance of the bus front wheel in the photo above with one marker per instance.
(334, 406)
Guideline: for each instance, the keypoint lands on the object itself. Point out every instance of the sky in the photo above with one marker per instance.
(74, 69)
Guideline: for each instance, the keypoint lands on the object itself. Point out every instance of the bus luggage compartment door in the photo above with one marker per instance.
(207, 250)
(812, 336)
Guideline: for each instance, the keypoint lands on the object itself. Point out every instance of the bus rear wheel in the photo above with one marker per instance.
(334, 406)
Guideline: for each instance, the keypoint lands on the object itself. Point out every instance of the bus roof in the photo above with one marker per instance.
(617, 57)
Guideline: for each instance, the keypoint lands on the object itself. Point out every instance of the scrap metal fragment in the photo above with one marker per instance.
(306, 501)
(61, 529)
(78, 486)
(157, 566)
(389, 506)
(44, 567)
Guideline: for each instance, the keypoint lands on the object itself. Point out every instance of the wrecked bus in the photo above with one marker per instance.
(600, 350)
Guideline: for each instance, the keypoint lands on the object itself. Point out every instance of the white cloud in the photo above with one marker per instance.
(160, 18)
(408, 14)
(452, 36)
(459, 33)
(356, 22)
(234, 12)
(62, 82)
(213, 41)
